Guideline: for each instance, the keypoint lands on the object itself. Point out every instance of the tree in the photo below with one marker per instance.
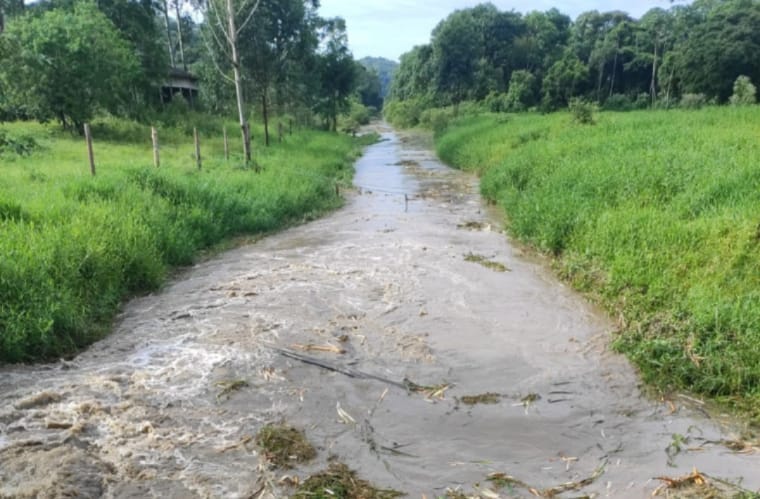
(563, 81)
(224, 21)
(522, 91)
(66, 65)
(337, 73)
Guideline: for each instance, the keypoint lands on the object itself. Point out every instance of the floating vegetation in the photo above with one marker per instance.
(483, 398)
(429, 391)
(485, 262)
(340, 482)
(284, 446)
(228, 387)
(473, 225)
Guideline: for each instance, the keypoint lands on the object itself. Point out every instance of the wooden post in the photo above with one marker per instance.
(90, 155)
(247, 142)
(280, 131)
(154, 139)
(290, 125)
(197, 147)
(226, 145)
(337, 190)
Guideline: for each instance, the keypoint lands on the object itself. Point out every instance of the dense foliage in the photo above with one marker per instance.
(544, 59)
(656, 213)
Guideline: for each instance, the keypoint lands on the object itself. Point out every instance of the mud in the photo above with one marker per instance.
(169, 405)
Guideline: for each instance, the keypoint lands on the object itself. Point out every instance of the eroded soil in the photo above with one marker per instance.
(447, 357)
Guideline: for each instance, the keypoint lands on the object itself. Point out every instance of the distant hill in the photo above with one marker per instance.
(385, 68)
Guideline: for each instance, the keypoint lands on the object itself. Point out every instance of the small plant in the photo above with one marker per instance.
(582, 111)
(744, 92)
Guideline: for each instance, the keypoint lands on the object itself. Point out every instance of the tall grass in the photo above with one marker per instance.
(656, 213)
(73, 246)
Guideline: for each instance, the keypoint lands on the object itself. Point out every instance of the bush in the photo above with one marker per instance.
(437, 119)
(405, 114)
(497, 102)
(693, 101)
(618, 102)
(18, 144)
(582, 111)
(744, 92)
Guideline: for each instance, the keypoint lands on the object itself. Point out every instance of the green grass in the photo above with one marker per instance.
(657, 213)
(72, 247)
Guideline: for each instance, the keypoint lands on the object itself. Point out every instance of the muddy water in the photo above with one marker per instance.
(154, 410)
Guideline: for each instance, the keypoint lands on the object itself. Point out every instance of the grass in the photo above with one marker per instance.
(656, 213)
(72, 247)
(285, 446)
(340, 482)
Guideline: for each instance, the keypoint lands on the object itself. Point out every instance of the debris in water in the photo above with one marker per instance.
(485, 262)
(345, 417)
(318, 348)
(472, 225)
(694, 482)
(483, 398)
(228, 387)
(430, 392)
(340, 482)
(284, 445)
(242, 443)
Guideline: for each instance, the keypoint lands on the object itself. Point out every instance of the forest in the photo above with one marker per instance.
(690, 54)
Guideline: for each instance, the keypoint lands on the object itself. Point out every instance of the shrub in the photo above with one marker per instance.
(744, 92)
(618, 102)
(19, 144)
(582, 111)
(693, 101)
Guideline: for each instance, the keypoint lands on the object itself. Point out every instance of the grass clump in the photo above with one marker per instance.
(340, 482)
(657, 213)
(483, 398)
(72, 246)
(284, 446)
(485, 262)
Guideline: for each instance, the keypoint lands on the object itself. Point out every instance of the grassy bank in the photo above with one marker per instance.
(72, 247)
(657, 214)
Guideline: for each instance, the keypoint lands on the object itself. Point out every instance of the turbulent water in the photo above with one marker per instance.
(415, 283)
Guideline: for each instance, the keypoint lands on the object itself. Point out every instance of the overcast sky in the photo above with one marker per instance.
(388, 28)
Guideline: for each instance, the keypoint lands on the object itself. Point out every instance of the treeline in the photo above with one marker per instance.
(68, 60)
(515, 62)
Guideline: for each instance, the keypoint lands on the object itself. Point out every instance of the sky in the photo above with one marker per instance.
(388, 28)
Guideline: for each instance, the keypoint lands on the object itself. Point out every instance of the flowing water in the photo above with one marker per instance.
(167, 406)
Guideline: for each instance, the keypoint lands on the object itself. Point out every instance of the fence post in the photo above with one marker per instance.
(197, 147)
(280, 131)
(154, 139)
(226, 145)
(290, 126)
(90, 155)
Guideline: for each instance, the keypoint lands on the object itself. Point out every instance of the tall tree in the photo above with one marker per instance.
(225, 20)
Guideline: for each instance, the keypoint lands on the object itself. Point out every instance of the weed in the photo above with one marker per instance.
(340, 482)
(284, 446)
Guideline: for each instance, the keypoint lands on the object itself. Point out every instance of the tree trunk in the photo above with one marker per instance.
(2, 21)
(265, 112)
(179, 35)
(169, 33)
(653, 84)
(614, 71)
(232, 38)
